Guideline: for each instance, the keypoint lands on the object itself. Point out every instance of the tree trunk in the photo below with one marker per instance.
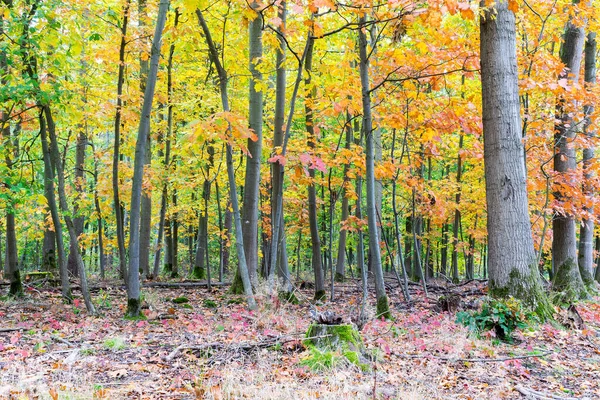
(223, 79)
(382, 300)
(133, 278)
(252, 179)
(12, 269)
(73, 239)
(317, 260)
(511, 254)
(118, 207)
(586, 233)
(78, 221)
(174, 238)
(340, 268)
(567, 277)
(281, 263)
(146, 204)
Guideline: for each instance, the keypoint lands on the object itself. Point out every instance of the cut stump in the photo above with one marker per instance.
(343, 339)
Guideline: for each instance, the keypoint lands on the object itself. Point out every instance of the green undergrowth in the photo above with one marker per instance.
(344, 345)
(502, 317)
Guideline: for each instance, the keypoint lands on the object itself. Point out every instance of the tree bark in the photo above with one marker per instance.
(64, 205)
(511, 254)
(133, 278)
(118, 207)
(252, 179)
(567, 277)
(146, 204)
(78, 221)
(223, 79)
(586, 233)
(382, 300)
(317, 260)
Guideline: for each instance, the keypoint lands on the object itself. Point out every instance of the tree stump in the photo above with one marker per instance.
(342, 340)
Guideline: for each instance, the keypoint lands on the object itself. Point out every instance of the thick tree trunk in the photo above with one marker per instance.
(586, 233)
(133, 278)
(382, 300)
(512, 266)
(567, 278)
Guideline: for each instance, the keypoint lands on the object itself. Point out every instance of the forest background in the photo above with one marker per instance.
(305, 141)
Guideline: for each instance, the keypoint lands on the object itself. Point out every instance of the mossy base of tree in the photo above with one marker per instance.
(528, 289)
(568, 286)
(320, 295)
(339, 277)
(383, 308)
(134, 311)
(174, 274)
(590, 284)
(237, 286)
(331, 343)
(168, 269)
(16, 286)
(289, 297)
(199, 273)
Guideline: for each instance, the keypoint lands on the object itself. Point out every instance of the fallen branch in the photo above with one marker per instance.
(241, 346)
(3, 330)
(483, 360)
(529, 393)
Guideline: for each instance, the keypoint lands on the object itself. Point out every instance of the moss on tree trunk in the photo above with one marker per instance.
(16, 287)
(383, 308)
(568, 284)
(320, 295)
(528, 289)
(134, 310)
(237, 286)
(339, 277)
(199, 273)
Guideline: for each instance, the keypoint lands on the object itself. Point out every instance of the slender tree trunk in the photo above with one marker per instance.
(49, 192)
(252, 179)
(382, 300)
(133, 279)
(12, 270)
(456, 224)
(146, 204)
(174, 238)
(73, 239)
(281, 264)
(223, 79)
(118, 207)
(99, 218)
(567, 277)
(317, 260)
(586, 233)
(340, 268)
(512, 266)
(78, 221)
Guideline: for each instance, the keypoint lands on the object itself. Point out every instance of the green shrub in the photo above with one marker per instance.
(501, 316)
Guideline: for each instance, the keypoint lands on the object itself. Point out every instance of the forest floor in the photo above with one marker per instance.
(52, 350)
